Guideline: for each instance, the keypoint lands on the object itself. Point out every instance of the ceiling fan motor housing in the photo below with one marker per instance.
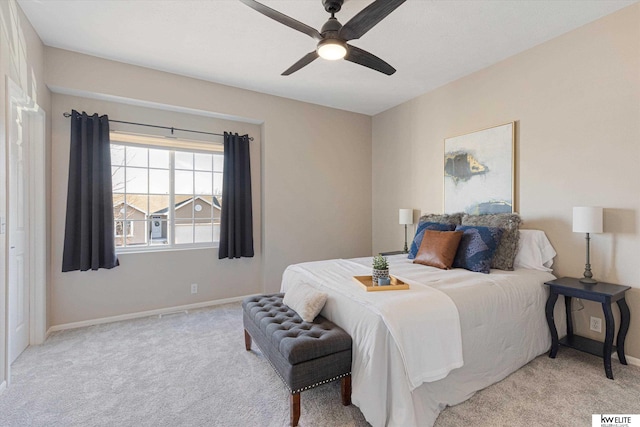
(332, 26)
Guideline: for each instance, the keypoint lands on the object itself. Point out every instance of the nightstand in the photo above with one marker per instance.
(393, 253)
(604, 293)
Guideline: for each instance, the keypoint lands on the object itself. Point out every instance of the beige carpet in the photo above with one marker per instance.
(192, 370)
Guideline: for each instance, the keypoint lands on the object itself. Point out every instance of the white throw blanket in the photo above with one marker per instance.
(423, 321)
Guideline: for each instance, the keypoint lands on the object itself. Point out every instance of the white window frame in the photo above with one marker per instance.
(171, 145)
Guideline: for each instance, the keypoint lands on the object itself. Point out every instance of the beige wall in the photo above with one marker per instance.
(312, 194)
(576, 100)
(22, 60)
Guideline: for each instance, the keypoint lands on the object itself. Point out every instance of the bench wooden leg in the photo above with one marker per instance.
(346, 390)
(295, 409)
(247, 340)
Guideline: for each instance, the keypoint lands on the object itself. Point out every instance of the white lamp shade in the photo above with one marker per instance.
(406, 216)
(587, 220)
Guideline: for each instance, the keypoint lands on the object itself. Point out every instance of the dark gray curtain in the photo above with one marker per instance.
(236, 222)
(88, 236)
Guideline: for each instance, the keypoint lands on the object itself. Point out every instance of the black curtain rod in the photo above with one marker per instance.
(162, 127)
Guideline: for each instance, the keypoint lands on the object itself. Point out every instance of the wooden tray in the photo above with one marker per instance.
(366, 283)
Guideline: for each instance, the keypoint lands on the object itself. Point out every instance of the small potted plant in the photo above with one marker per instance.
(380, 273)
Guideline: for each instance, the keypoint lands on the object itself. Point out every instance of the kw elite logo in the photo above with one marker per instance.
(615, 420)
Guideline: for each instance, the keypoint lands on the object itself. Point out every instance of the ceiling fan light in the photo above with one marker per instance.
(332, 49)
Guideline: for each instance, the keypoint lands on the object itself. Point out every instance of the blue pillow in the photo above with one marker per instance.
(477, 247)
(417, 240)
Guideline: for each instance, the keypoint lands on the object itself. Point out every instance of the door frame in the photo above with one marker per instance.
(17, 98)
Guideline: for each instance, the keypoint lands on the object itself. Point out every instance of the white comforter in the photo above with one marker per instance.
(502, 327)
(429, 354)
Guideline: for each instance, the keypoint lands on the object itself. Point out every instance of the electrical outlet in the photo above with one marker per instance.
(596, 324)
(194, 288)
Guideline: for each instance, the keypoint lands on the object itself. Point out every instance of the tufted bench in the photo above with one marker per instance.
(303, 354)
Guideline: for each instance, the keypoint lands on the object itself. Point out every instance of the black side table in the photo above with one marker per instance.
(604, 293)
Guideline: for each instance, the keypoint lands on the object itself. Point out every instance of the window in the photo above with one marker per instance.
(165, 196)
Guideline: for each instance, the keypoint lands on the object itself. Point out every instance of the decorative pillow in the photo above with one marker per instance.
(477, 248)
(417, 240)
(438, 248)
(508, 247)
(454, 219)
(305, 300)
(534, 251)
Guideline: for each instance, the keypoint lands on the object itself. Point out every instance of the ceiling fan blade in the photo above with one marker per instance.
(283, 19)
(367, 18)
(304, 61)
(362, 57)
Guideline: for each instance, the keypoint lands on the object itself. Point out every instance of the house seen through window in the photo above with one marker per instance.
(121, 226)
(165, 195)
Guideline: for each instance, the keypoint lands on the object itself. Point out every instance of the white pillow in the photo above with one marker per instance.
(305, 300)
(534, 251)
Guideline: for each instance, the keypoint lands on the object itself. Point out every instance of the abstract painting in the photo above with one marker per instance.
(479, 171)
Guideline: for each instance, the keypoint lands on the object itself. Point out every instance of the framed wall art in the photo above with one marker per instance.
(479, 171)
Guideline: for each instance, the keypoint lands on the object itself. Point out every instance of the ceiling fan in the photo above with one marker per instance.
(333, 36)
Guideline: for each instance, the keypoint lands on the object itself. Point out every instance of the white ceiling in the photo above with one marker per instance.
(429, 42)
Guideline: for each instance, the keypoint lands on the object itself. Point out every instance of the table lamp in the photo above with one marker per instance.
(587, 220)
(406, 218)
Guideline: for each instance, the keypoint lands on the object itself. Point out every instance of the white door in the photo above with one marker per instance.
(18, 233)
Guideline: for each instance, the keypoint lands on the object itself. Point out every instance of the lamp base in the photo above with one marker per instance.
(587, 278)
(405, 250)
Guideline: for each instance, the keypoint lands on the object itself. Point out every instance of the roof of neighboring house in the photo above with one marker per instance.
(215, 203)
(157, 204)
(129, 204)
(143, 202)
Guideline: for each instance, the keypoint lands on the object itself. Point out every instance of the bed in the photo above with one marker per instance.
(500, 327)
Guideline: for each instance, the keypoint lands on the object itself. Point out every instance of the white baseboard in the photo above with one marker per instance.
(157, 312)
(630, 360)
(3, 386)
